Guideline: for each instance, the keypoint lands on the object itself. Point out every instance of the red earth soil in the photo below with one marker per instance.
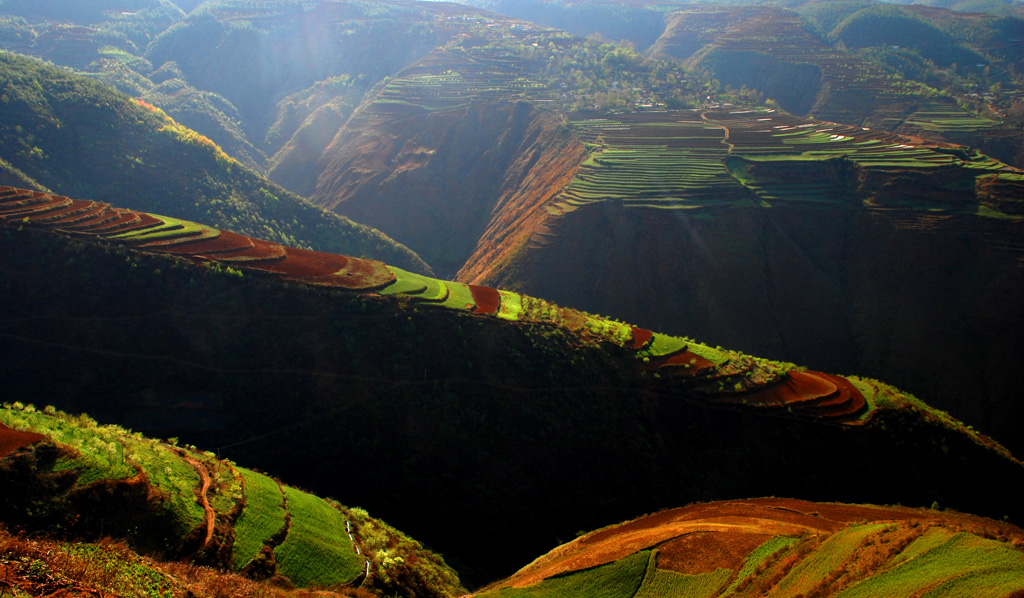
(854, 400)
(124, 219)
(12, 440)
(261, 251)
(796, 388)
(703, 552)
(487, 300)
(224, 243)
(695, 530)
(145, 221)
(358, 274)
(640, 338)
(75, 212)
(101, 217)
(303, 263)
(21, 211)
(680, 360)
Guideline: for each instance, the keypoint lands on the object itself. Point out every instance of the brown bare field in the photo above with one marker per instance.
(261, 251)
(797, 387)
(640, 338)
(303, 263)
(225, 242)
(12, 440)
(703, 552)
(487, 300)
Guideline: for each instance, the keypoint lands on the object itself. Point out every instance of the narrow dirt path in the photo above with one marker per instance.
(210, 515)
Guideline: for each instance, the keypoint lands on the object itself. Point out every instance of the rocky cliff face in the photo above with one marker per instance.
(453, 182)
(934, 304)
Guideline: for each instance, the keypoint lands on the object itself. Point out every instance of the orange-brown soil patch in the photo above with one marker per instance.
(76, 212)
(261, 251)
(686, 362)
(225, 242)
(35, 206)
(795, 388)
(487, 300)
(102, 216)
(145, 221)
(703, 552)
(124, 219)
(722, 531)
(358, 274)
(12, 440)
(640, 338)
(303, 263)
(853, 404)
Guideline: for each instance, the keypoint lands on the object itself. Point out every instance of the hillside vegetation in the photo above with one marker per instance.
(73, 135)
(80, 480)
(404, 385)
(779, 547)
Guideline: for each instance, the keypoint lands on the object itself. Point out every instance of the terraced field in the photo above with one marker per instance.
(732, 379)
(702, 161)
(783, 548)
(311, 538)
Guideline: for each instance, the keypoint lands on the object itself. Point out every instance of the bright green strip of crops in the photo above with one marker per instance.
(406, 283)
(101, 455)
(620, 579)
(262, 517)
(992, 582)
(511, 307)
(663, 344)
(665, 584)
(317, 550)
(614, 331)
(172, 227)
(963, 554)
(170, 473)
(761, 555)
(459, 296)
(831, 556)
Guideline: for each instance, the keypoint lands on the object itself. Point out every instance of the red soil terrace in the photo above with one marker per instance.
(12, 440)
(487, 300)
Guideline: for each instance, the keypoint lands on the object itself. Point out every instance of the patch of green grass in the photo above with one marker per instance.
(511, 307)
(171, 228)
(831, 556)
(173, 475)
(620, 579)
(669, 584)
(663, 344)
(759, 557)
(126, 574)
(101, 454)
(459, 296)
(262, 517)
(963, 565)
(406, 283)
(317, 550)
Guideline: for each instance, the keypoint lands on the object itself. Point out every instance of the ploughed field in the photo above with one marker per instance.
(782, 547)
(726, 378)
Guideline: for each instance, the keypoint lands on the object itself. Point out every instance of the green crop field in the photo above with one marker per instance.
(101, 455)
(620, 579)
(262, 517)
(831, 556)
(668, 584)
(459, 296)
(173, 475)
(317, 550)
(759, 557)
(962, 565)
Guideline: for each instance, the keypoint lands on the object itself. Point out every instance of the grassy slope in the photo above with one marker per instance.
(317, 549)
(83, 139)
(815, 549)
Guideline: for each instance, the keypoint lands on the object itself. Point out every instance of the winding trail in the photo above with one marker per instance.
(210, 515)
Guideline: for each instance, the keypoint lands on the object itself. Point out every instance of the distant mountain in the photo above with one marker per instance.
(780, 547)
(68, 475)
(463, 413)
(78, 137)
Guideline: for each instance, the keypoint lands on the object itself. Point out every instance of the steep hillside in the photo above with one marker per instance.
(369, 382)
(779, 547)
(73, 135)
(847, 249)
(85, 481)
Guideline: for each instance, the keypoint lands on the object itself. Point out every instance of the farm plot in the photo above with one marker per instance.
(662, 160)
(12, 440)
(620, 579)
(262, 517)
(317, 550)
